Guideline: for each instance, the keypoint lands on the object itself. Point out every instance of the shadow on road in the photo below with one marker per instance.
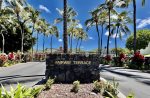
(137, 77)
(14, 79)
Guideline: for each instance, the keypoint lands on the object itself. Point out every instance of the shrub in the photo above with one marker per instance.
(3, 59)
(75, 87)
(20, 92)
(99, 87)
(122, 59)
(112, 89)
(108, 59)
(48, 84)
(137, 61)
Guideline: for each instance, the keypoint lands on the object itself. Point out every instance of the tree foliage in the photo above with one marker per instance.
(13, 41)
(143, 38)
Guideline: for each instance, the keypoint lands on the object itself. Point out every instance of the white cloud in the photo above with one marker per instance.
(110, 42)
(114, 35)
(42, 7)
(119, 3)
(143, 23)
(138, 20)
(60, 40)
(91, 38)
(107, 33)
(79, 26)
(114, 17)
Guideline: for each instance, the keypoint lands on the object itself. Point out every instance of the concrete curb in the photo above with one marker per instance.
(120, 94)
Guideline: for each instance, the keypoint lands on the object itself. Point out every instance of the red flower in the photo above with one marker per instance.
(108, 58)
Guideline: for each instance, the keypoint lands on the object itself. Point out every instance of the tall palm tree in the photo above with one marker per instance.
(65, 35)
(101, 20)
(71, 32)
(134, 21)
(94, 21)
(67, 13)
(1, 4)
(34, 17)
(39, 29)
(52, 31)
(120, 25)
(44, 27)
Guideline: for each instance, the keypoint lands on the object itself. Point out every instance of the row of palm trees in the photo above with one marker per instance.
(102, 16)
(115, 22)
(19, 15)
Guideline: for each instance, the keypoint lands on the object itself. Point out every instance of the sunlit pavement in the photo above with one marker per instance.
(129, 80)
(27, 74)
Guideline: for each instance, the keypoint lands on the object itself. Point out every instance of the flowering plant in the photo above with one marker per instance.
(3, 58)
(122, 58)
(108, 58)
(138, 60)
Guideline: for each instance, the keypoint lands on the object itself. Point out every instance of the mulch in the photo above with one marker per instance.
(64, 91)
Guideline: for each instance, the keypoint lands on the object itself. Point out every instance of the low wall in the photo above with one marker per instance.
(71, 67)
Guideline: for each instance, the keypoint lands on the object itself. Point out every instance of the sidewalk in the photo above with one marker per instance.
(137, 74)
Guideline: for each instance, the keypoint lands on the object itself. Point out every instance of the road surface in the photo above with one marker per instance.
(129, 84)
(31, 73)
(24, 73)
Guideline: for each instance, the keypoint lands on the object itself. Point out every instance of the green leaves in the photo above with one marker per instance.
(20, 92)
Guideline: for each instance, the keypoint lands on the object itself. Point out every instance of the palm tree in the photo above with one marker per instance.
(34, 17)
(1, 4)
(83, 36)
(71, 32)
(94, 21)
(134, 21)
(101, 20)
(120, 25)
(65, 38)
(6, 22)
(44, 27)
(53, 31)
(38, 28)
(109, 5)
(21, 17)
(68, 17)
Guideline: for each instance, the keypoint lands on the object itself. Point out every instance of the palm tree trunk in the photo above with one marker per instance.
(116, 41)
(77, 45)
(1, 1)
(98, 37)
(22, 39)
(69, 40)
(102, 38)
(80, 45)
(43, 43)
(71, 44)
(32, 40)
(51, 43)
(37, 37)
(108, 35)
(134, 20)
(65, 35)
(3, 42)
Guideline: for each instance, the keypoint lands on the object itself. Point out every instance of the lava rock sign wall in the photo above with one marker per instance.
(71, 67)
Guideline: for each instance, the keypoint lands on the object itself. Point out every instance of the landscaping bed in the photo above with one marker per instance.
(64, 91)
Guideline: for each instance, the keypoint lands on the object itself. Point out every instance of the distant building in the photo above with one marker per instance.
(146, 50)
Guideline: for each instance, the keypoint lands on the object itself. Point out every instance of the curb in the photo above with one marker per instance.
(120, 94)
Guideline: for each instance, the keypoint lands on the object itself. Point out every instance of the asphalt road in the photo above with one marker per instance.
(27, 74)
(129, 84)
(31, 73)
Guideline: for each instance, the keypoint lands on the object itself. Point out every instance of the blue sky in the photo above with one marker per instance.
(49, 12)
